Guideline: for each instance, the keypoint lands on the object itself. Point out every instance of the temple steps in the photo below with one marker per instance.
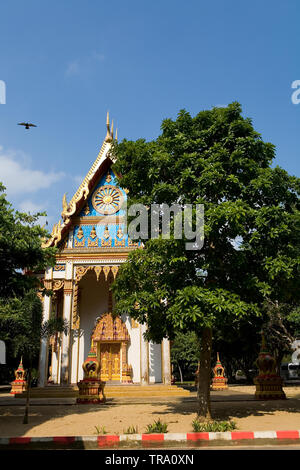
(111, 391)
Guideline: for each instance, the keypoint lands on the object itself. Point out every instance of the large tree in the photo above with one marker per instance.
(185, 354)
(21, 249)
(22, 258)
(251, 234)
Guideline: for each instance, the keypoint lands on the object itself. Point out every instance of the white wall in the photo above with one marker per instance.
(134, 353)
(155, 371)
(94, 302)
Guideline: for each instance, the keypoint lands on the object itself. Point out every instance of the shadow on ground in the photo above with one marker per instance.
(225, 406)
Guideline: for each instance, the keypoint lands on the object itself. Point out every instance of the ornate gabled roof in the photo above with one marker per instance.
(102, 162)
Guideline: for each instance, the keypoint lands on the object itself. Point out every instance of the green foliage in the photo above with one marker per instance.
(157, 427)
(54, 325)
(293, 318)
(131, 430)
(213, 426)
(251, 251)
(185, 353)
(20, 248)
(22, 258)
(21, 321)
(185, 348)
(100, 430)
(21, 251)
(251, 247)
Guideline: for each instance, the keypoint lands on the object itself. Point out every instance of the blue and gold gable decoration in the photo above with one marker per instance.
(94, 217)
(106, 199)
(105, 209)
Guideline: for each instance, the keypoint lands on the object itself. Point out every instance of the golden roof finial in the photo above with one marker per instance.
(112, 129)
(116, 138)
(108, 137)
(64, 202)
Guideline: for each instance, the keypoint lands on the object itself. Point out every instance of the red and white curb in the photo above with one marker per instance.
(107, 440)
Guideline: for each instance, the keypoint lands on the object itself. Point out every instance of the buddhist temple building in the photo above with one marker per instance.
(92, 244)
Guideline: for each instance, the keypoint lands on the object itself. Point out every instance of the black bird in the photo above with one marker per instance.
(26, 124)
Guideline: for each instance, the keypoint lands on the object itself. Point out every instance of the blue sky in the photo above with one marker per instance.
(65, 63)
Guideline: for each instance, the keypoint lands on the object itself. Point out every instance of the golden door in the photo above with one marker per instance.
(110, 361)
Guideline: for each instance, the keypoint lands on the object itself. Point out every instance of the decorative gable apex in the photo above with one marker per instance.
(100, 166)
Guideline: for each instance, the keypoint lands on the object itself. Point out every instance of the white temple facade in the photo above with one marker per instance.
(91, 246)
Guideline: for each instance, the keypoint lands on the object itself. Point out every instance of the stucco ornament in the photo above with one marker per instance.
(107, 199)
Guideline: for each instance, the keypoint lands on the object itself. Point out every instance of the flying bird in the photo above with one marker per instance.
(26, 124)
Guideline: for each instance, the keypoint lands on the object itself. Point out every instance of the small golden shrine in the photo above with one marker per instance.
(219, 381)
(91, 388)
(268, 382)
(19, 385)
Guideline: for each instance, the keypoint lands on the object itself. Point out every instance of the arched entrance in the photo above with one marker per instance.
(111, 336)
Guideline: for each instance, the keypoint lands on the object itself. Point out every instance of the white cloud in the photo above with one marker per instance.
(97, 56)
(30, 207)
(19, 178)
(83, 65)
(73, 68)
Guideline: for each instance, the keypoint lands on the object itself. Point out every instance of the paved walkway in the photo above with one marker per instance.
(234, 393)
(223, 396)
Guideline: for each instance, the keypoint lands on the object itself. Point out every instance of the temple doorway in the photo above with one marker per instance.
(110, 360)
(112, 338)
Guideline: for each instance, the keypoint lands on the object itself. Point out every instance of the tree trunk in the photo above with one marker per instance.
(204, 377)
(25, 420)
(278, 359)
(180, 372)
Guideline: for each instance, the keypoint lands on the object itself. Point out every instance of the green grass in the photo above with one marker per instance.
(100, 430)
(213, 426)
(157, 427)
(131, 430)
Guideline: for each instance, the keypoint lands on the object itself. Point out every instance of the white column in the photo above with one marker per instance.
(43, 361)
(144, 357)
(67, 315)
(166, 360)
(54, 365)
(75, 356)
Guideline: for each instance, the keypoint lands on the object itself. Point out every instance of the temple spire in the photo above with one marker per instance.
(108, 137)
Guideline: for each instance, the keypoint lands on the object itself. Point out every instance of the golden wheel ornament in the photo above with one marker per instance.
(107, 199)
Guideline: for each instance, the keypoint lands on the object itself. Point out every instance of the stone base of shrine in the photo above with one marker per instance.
(18, 387)
(91, 391)
(219, 384)
(269, 388)
(111, 391)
